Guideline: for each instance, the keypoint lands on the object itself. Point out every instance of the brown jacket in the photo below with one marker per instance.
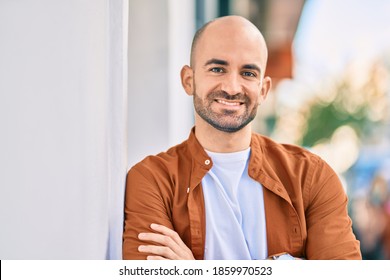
(305, 204)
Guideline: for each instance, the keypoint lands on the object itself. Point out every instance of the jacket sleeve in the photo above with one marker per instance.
(144, 205)
(329, 228)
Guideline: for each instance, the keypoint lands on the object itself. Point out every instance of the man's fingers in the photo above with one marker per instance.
(151, 258)
(168, 232)
(161, 252)
(158, 238)
(168, 244)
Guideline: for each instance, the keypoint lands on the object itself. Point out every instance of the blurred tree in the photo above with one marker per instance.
(359, 102)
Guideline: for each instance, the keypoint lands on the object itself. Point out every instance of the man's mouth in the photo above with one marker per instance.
(230, 103)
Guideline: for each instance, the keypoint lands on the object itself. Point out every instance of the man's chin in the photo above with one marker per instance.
(228, 128)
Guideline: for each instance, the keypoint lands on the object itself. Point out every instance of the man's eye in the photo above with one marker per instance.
(249, 74)
(216, 70)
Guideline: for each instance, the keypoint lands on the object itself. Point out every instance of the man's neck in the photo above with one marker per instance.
(218, 141)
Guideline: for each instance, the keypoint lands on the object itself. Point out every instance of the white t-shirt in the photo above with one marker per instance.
(235, 218)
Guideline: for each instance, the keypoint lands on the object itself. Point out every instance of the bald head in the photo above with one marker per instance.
(229, 29)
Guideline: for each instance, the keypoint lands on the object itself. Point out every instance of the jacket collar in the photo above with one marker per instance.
(198, 153)
(261, 170)
(258, 169)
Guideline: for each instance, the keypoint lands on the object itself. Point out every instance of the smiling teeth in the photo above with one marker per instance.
(229, 103)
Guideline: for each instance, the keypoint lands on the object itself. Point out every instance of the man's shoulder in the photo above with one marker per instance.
(163, 161)
(289, 163)
(272, 148)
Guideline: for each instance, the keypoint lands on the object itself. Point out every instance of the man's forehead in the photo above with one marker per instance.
(229, 36)
(241, 52)
(240, 35)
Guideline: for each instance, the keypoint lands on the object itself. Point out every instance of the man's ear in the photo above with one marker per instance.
(187, 79)
(265, 88)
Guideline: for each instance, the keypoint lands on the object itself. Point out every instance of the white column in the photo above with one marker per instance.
(117, 125)
(181, 30)
(58, 114)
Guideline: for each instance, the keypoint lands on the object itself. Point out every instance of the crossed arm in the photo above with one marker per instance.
(170, 247)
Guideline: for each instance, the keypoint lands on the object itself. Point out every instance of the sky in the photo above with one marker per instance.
(331, 33)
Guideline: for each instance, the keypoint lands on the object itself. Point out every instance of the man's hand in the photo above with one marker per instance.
(171, 246)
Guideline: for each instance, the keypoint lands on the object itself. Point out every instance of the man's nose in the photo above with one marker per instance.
(232, 84)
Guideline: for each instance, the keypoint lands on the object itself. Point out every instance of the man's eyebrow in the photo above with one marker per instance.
(252, 67)
(216, 61)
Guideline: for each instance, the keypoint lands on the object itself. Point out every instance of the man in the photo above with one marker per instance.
(226, 192)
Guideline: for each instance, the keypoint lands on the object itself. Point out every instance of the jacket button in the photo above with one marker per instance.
(207, 162)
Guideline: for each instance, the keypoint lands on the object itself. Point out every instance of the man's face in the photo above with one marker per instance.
(225, 112)
(228, 78)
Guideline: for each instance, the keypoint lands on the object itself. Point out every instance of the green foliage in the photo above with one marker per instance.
(360, 104)
(325, 118)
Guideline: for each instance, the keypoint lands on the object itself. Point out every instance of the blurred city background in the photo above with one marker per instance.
(330, 63)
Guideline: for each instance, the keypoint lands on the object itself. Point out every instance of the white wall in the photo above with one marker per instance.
(61, 164)
(65, 114)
